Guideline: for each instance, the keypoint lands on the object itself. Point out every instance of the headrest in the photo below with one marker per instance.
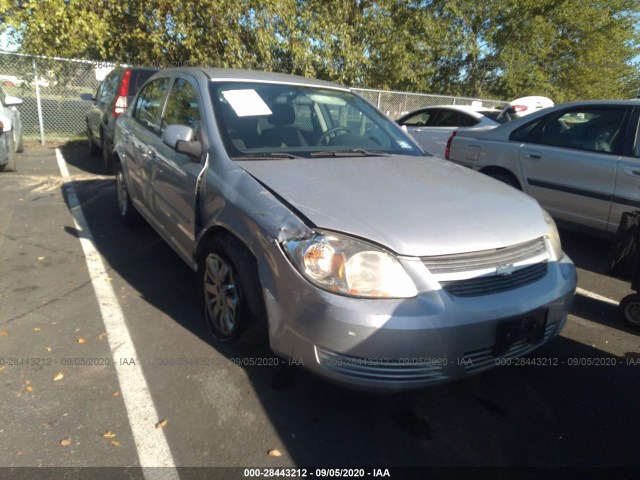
(282, 115)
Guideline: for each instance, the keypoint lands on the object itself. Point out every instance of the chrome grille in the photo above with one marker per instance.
(486, 259)
(489, 284)
(381, 370)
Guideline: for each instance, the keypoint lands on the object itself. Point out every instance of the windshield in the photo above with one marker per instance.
(269, 120)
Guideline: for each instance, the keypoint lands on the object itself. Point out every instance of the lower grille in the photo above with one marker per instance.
(482, 359)
(489, 284)
(381, 369)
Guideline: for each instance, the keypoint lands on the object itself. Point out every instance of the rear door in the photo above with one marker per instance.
(626, 196)
(140, 136)
(569, 163)
(175, 178)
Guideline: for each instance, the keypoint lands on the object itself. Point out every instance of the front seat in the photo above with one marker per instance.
(283, 134)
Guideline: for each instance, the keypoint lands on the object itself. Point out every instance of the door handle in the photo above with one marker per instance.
(534, 156)
(634, 172)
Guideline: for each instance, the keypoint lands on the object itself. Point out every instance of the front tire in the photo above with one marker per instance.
(232, 299)
(630, 310)
(129, 216)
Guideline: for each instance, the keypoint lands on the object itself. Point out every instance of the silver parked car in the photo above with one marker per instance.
(432, 126)
(10, 131)
(316, 224)
(580, 160)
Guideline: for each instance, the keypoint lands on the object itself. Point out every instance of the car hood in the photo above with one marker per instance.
(416, 206)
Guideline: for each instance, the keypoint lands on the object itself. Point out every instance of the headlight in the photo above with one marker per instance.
(553, 235)
(344, 265)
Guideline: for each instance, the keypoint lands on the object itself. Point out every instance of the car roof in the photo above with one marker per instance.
(240, 75)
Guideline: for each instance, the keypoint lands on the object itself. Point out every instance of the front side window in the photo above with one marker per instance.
(149, 103)
(275, 118)
(597, 129)
(420, 119)
(182, 106)
(453, 118)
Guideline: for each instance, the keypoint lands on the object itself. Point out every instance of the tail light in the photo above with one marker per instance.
(120, 103)
(519, 108)
(447, 150)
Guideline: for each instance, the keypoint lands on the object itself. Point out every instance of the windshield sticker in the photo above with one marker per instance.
(404, 145)
(246, 103)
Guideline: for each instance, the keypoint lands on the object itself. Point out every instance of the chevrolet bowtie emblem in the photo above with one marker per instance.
(505, 270)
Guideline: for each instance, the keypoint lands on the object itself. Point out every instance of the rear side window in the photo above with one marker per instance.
(149, 103)
(138, 77)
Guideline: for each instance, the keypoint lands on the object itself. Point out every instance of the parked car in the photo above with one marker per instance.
(316, 224)
(112, 98)
(431, 126)
(580, 160)
(528, 105)
(11, 141)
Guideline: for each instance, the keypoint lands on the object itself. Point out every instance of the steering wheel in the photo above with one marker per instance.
(331, 131)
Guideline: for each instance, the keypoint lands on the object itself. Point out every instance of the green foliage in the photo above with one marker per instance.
(564, 49)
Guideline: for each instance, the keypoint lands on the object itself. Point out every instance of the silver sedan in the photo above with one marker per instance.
(317, 225)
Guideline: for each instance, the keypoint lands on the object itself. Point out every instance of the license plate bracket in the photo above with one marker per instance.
(529, 327)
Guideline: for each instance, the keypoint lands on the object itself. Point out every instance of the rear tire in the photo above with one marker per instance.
(230, 292)
(107, 157)
(129, 216)
(19, 143)
(505, 178)
(10, 166)
(94, 150)
(630, 310)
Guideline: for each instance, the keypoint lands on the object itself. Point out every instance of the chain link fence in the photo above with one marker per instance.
(56, 94)
(395, 104)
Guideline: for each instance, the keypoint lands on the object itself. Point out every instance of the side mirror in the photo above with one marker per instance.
(180, 138)
(10, 101)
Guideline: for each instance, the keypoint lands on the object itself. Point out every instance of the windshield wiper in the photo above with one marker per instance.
(354, 152)
(266, 156)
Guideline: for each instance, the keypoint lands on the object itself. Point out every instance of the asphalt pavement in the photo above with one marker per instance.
(65, 393)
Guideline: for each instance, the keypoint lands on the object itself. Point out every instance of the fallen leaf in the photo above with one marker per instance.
(65, 442)
(59, 376)
(108, 434)
(101, 336)
(40, 258)
(48, 349)
(115, 394)
(77, 330)
(2, 369)
(37, 329)
(162, 423)
(4, 333)
(81, 340)
(19, 452)
(115, 444)
(274, 453)
(29, 388)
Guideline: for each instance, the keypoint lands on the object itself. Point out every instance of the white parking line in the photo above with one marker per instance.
(595, 296)
(151, 443)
